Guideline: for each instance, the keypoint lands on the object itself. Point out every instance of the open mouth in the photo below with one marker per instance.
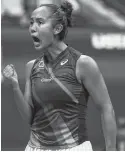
(36, 39)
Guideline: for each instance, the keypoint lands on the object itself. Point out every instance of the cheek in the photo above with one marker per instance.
(46, 34)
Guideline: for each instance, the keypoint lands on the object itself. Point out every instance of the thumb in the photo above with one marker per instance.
(12, 66)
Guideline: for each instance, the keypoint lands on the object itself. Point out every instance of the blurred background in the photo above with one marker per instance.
(99, 31)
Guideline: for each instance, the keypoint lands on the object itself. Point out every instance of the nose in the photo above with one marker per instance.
(33, 28)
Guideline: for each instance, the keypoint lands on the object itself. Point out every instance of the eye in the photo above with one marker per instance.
(31, 22)
(40, 21)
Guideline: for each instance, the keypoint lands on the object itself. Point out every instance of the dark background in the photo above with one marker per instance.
(18, 50)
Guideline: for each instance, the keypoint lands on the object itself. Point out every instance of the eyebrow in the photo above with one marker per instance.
(37, 18)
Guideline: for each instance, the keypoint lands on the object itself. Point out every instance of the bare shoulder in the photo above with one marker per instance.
(87, 62)
(30, 63)
(29, 66)
(87, 67)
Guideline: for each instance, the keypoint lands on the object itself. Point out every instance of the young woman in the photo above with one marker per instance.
(55, 84)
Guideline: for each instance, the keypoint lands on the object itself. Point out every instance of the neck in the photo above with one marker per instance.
(54, 50)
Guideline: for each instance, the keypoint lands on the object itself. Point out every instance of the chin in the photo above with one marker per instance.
(41, 47)
(38, 47)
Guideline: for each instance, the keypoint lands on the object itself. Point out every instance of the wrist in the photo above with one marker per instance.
(15, 86)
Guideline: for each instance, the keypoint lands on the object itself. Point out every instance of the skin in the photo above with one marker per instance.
(87, 73)
(49, 44)
(42, 27)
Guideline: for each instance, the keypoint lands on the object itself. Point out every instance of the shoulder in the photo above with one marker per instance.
(87, 62)
(87, 66)
(74, 52)
(29, 66)
(74, 55)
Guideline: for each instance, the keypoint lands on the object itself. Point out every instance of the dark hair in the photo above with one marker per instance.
(63, 15)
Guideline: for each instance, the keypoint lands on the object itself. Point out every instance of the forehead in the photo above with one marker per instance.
(41, 12)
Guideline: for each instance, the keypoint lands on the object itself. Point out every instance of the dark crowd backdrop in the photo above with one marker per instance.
(105, 44)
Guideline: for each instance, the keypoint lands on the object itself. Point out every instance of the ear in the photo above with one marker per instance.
(58, 28)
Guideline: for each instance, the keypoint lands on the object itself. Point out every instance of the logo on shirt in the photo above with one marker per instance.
(64, 62)
(41, 64)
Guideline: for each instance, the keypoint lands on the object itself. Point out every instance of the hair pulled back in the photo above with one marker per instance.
(62, 15)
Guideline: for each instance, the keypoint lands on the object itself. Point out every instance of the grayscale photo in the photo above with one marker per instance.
(63, 75)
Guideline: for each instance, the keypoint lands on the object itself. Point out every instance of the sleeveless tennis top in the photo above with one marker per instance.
(60, 103)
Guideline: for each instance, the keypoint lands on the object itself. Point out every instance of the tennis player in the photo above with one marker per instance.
(58, 85)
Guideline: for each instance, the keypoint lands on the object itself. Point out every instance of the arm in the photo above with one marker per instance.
(23, 102)
(90, 76)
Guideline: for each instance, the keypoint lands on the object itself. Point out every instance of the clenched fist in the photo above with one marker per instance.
(9, 72)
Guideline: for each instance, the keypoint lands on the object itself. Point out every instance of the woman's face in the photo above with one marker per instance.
(41, 28)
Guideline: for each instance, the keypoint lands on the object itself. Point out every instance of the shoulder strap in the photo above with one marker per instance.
(62, 85)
